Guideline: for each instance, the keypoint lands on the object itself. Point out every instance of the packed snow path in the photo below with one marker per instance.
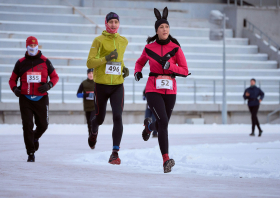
(211, 161)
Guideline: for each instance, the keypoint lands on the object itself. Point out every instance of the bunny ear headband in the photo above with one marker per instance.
(161, 20)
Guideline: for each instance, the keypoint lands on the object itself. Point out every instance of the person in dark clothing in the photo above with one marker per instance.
(33, 71)
(254, 95)
(149, 114)
(86, 91)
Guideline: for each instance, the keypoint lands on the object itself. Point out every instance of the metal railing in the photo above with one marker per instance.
(260, 4)
(272, 113)
(263, 35)
(195, 85)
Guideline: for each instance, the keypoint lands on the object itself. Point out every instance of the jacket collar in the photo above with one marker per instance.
(109, 35)
(163, 42)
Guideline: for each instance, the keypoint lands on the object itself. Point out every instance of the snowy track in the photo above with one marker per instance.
(211, 161)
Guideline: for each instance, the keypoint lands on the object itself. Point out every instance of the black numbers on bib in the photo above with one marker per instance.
(32, 78)
(163, 83)
(114, 68)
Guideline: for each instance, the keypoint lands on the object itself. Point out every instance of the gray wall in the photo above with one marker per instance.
(134, 113)
(264, 2)
(267, 20)
(263, 46)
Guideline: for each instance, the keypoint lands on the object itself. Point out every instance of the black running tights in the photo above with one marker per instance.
(162, 107)
(116, 95)
(255, 121)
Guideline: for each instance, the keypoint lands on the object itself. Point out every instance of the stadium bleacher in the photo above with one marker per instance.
(65, 37)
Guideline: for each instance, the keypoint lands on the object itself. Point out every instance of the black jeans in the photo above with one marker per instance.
(255, 121)
(116, 95)
(162, 106)
(89, 116)
(40, 111)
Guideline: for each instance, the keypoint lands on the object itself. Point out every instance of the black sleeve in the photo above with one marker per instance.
(17, 72)
(244, 95)
(81, 89)
(50, 67)
(261, 94)
(16, 68)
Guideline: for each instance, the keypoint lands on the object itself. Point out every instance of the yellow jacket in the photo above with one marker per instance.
(102, 46)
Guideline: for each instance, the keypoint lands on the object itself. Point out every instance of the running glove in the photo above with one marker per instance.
(125, 72)
(45, 87)
(165, 65)
(112, 55)
(138, 75)
(17, 92)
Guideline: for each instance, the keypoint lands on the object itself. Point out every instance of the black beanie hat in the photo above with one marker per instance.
(161, 20)
(112, 15)
(89, 70)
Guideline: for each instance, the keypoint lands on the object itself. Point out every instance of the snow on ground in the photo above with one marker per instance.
(211, 161)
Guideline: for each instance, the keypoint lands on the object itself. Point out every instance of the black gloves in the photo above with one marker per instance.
(17, 92)
(112, 55)
(125, 72)
(165, 65)
(45, 87)
(138, 75)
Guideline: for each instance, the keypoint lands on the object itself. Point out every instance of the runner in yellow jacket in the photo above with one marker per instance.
(106, 57)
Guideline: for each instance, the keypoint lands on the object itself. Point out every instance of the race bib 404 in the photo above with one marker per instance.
(164, 82)
(113, 68)
(33, 77)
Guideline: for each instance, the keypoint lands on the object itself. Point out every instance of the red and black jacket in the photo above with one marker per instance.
(38, 63)
(153, 53)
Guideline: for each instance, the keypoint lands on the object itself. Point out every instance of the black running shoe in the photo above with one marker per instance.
(31, 157)
(167, 166)
(92, 140)
(114, 159)
(260, 133)
(36, 144)
(146, 132)
(252, 134)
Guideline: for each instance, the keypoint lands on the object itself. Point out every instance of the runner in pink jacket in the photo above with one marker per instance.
(167, 61)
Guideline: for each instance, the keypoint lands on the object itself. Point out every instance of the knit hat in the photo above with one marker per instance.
(112, 15)
(31, 40)
(161, 20)
(89, 70)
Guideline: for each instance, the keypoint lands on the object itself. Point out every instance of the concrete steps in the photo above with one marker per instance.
(65, 38)
(187, 48)
(11, 59)
(98, 19)
(83, 54)
(92, 28)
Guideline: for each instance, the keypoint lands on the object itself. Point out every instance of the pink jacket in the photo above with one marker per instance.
(153, 53)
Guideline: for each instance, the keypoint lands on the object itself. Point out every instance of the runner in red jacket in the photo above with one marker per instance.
(33, 71)
(166, 60)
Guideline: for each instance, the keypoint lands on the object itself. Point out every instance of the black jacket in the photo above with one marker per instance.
(86, 87)
(255, 95)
